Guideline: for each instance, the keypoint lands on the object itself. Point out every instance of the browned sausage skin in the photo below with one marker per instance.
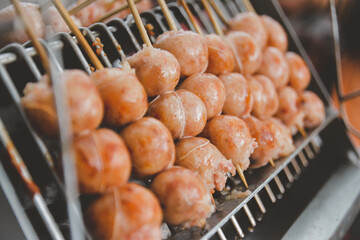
(102, 160)
(157, 70)
(199, 155)
(181, 111)
(188, 47)
(128, 212)
(185, 199)
(313, 108)
(299, 72)
(150, 145)
(266, 99)
(275, 67)
(252, 24)
(86, 109)
(123, 95)
(239, 100)
(276, 34)
(221, 58)
(209, 89)
(232, 137)
(265, 140)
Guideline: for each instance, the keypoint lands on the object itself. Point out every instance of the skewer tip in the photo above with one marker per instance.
(301, 130)
(271, 161)
(241, 174)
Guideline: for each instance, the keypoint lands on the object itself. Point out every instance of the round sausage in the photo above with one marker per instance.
(276, 34)
(299, 72)
(182, 112)
(266, 99)
(151, 146)
(128, 212)
(157, 70)
(189, 48)
(251, 23)
(232, 137)
(239, 100)
(275, 67)
(185, 199)
(86, 109)
(313, 108)
(209, 89)
(123, 95)
(246, 50)
(102, 160)
(199, 155)
(221, 57)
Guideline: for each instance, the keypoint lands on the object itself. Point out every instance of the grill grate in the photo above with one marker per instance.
(238, 216)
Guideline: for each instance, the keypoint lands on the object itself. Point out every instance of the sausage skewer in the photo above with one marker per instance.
(115, 11)
(70, 178)
(219, 13)
(81, 6)
(33, 189)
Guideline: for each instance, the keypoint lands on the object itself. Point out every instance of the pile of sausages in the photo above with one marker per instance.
(183, 114)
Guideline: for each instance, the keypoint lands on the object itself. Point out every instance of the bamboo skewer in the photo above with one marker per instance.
(115, 11)
(139, 23)
(271, 161)
(219, 13)
(81, 6)
(302, 131)
(249, 6)
(74, 29)
(213, 20)
(36, 196)
(241, 174)
(167, 14)
(191, 16)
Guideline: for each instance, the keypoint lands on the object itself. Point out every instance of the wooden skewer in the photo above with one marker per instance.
(213, 20)
(241, 174)
(33, 189)
(113, 12)
(302, 131)
(212, 197)
(31, 33)
(81, 6)
(219, 13)
(271, 161)
(249, 6)
(167, 14)
(74, 29)
(139, 23)
(191, 16)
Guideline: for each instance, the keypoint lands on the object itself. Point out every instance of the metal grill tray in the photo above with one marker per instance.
(39, 159)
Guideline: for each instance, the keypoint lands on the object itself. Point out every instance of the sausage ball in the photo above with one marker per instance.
(265, 140)
(282, 136)
(86, 109)
(128, 212)
(123, 95)
(239, 100)
(150, 145)
(313, 108)
(102, 160)
(232, 137)
(182, 112)
(246, 50)
(157, 70)
(266, 99)
(185, 199)
(19, 35)
(252, 24)
(290, 110)
(300, 75)
(189, 48)
(275, 67)
(199, 155)
(209, 89)
(276, 34)
(221, 57)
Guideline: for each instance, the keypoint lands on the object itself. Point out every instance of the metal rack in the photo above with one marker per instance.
(233, 218)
